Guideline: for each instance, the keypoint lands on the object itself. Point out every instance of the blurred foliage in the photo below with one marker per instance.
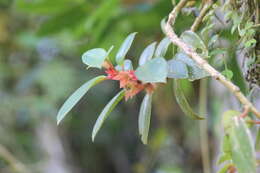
(41, 43)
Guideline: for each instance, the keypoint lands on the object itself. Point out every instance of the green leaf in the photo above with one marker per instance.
(177, 69)
(205, 32)
(163, 24)
(105, 112)
(144, 117)
(227, 119)
(225, 168)
(147, 54)
(225, 145)
(192, 39)
(183, 103)
(223, 158)
(243, 153)
(120, 56)
(153, 71)
(228, 74)
(213, 40)
(128, 65)
(94, 57)
(162, 47)
(195, 72)
(217, 51)
(76, 96)
(250, 43)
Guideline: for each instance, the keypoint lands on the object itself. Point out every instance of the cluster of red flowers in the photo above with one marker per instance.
(127, 80)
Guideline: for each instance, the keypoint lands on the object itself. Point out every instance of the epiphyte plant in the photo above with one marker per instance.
(152, 69)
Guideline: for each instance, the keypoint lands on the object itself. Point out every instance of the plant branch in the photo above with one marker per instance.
(201, 62)
(199, 19)
(16, 165)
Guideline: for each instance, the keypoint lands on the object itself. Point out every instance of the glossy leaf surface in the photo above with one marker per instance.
(182, 101)
(105, 113)
(76, 96)
(153, 71)
(144, 117)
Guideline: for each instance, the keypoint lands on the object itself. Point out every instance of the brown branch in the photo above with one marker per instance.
(201, 62)
(199, 19)
(16, 165)
(245, 113)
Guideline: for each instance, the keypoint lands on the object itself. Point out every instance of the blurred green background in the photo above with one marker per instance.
(41, 43)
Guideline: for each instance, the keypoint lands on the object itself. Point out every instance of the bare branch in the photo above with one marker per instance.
(201, 62)
(16, 165)
(199, 19)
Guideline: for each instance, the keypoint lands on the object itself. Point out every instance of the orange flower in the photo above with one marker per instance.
(128, 81)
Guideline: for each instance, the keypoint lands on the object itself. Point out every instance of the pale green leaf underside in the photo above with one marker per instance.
(76, 96)
(177, 69)
(105, 112)
(243, 152)
(225, 168)
(94, 57)
(183, 103)
(128, 65)
(144, 117)
(120, 56)
(195, 72)
(147, 54)
(195, 42)
(162, 47)
(153, 71)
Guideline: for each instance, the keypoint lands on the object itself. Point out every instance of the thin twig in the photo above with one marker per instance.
(245, 113)
(255, 26)
(201, 62)
(16, 165)
(199, 19)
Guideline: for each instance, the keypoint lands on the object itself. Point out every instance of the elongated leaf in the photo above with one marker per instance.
(225, 145)
(94, 57)
(243, 152)
(147, 54)
(195, 72)
(227, 120)
(162, 47)
(183, 103)
(223, 158)
(153, 71)
(76, 96)
(227, 73)
(163, 24)
(120, 56)
(225, 168)
(177, 69)
(128, 65)
(195, 41)
(105, 112)
(144, 117)
(213, 40)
